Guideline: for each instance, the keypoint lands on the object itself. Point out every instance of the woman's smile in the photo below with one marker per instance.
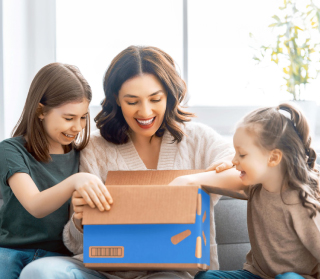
(145, 123)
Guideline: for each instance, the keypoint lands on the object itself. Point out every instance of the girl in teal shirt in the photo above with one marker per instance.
(39, 168)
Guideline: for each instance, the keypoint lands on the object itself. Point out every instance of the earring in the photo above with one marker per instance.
(40, 119)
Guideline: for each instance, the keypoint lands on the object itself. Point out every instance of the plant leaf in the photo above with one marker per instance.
(276, 18)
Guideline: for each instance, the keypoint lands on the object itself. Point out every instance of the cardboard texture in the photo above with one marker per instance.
(150, 226)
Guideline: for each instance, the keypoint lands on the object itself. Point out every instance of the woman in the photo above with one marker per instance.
(142, 126)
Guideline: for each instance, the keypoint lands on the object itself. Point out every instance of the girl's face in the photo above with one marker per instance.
(143, 102)
(64, 123)
(250, 159)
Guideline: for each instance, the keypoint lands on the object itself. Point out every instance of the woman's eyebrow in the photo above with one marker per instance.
(134, 96)
(155, 93)
(70, 114)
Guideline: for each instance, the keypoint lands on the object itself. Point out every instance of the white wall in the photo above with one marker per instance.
(28, 45)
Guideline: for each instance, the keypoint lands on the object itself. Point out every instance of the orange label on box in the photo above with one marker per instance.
(106, 252)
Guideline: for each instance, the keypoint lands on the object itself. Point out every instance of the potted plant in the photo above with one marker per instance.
(296, 49)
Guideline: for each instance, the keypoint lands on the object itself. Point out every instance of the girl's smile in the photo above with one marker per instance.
(250, 160)
(69, 136)
(256, 164)
(63, 124)
(242, 174)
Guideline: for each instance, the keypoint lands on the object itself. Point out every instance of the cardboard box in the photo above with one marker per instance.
(150, 226)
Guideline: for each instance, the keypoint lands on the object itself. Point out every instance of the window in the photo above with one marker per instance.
(221, 69)
(91, 33)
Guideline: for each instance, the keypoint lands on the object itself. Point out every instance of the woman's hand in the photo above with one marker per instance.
(91, 191)
(221, 165)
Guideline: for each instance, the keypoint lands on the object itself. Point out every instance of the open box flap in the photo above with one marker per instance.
(149, 177)
(148, 204)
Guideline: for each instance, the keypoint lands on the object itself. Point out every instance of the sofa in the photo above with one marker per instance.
(231, 233)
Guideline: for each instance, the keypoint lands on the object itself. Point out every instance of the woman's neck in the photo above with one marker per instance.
(148, 149)
(141, 140)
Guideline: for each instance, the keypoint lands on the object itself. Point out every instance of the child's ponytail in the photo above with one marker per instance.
(301, 126)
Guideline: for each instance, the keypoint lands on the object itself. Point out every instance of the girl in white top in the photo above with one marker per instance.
(142, 126)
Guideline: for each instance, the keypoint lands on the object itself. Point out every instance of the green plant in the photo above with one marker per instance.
(296, 48)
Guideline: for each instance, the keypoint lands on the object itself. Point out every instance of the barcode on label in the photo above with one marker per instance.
(106, 252)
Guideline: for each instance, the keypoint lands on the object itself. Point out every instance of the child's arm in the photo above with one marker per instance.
(307, 229)
(226, 183)
(41, 204)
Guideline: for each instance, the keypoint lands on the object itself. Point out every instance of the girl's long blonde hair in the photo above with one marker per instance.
(285, 128)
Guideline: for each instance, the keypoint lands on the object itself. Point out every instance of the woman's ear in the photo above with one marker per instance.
(40, 113)
(117, 100)
(275, 158)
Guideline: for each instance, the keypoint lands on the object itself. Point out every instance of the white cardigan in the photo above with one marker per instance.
(200, 146)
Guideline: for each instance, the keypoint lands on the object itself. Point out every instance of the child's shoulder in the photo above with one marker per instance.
(293, 205)
(13, 143)
(291, 197)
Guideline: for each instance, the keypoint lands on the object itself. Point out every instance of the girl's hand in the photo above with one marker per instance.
(78, 203)
(92, 191)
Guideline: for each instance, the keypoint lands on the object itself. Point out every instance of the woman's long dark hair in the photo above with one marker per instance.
(132, 62)
(290, 134)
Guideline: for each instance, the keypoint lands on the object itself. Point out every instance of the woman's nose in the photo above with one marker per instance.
(145, 110)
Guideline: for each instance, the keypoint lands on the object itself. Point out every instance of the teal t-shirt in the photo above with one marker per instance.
(18, 228)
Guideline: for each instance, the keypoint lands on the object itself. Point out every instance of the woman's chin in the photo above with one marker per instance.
(145, 132)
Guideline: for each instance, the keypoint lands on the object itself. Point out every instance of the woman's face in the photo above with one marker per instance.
(143, 102)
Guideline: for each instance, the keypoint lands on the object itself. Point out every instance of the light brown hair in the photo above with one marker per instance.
(290, 134)
(54, 85)
(132, 62)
